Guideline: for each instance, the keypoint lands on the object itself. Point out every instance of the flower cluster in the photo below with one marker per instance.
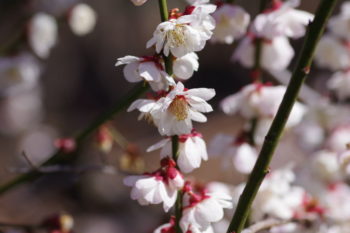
(173, 108)
(273, 27)
(333, 53)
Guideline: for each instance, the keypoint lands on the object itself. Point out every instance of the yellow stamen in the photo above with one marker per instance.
(179, 108)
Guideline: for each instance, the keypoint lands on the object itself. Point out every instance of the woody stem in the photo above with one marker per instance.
(261, 168)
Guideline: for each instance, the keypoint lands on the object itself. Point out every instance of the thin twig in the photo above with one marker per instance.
(59, 156)
(261, 168)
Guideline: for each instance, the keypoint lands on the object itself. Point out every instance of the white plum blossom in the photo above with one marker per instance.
(277, 196)
(200, 210)
(339, 138)
(184, 67)
(192, 150)
(339, 83)
(82, 19)
(157, 187)
(231, 23)
(18, 73)
(138, 2)
(239, 153)
(147, 69)
(261, 101)
(339, 24)
(325, 164)
(42, 34)
(183, 35)
(336, 200)
(332, 53)
(276, 53)
(174, 112)
(281, 20)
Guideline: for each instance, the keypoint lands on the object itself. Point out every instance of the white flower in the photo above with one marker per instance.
(179, 36)
(138, 2)
(183, 67)
(326, 165)
(277, 197)
(337, 202)
(42, 34)
(331, 53)
(260, 101)
(241, 154)
(231, 23)
(192, 150)
(82, 19)
(155, 188)
(276, 53)
(339, 83)
(282, 20)
(174, 113)
(339, 138)
(18, 73)
(202, 210)
(339, 25)
(145, 68)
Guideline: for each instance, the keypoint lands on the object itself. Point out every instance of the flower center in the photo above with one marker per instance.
(179, 108)
(176, 37)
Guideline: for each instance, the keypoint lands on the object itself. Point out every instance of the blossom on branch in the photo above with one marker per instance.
(148, 68)
(184, 33)
(200, 210)
(157, 187)
(231, 23)
(192, 150)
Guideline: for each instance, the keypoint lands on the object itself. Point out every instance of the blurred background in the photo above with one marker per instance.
(76, 83)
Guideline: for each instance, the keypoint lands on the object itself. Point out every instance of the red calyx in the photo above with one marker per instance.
(194, 133)
(189, 10)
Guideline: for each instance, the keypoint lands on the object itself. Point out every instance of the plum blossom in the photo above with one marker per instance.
(42, 34)
(200, 210)
(261, 101)
(231, 23)
(184, 34)
(325, 164)
(339, 83)
(332, 53)
(82, 19)
(192, 150)
(174, 112)
(336, 200)
(146, 68)
(339, 138)
(277, 196)
(276, 53)
(235, 151)
(18, 73)
(339, 24)
(184, 67)
(281, 20)
(157, 187)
